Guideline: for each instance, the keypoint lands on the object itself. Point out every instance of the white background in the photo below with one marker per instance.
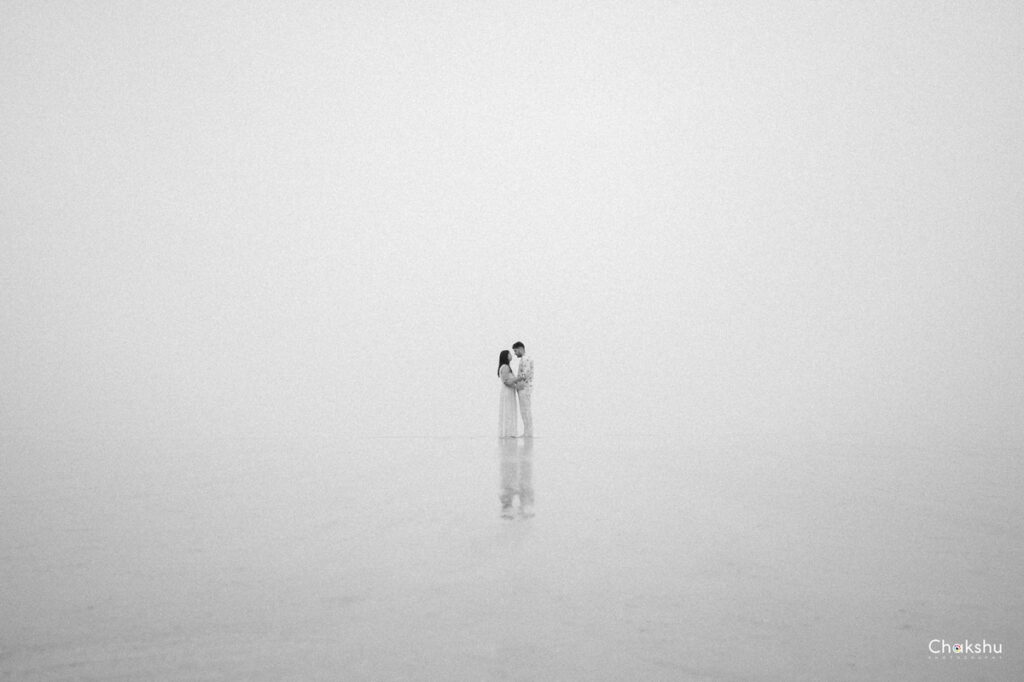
(330, 218)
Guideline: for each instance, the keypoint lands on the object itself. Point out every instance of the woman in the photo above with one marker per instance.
(508, 420)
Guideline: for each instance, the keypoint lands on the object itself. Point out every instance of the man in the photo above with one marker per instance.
(524, 387)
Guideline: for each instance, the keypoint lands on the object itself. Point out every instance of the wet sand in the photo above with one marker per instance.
(387, 559)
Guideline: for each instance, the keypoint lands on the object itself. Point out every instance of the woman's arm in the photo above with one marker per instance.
(507, 377)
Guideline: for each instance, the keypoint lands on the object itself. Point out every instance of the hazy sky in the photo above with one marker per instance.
(331, 217)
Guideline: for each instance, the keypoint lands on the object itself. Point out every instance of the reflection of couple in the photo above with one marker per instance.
(516, 477)
(512, 384)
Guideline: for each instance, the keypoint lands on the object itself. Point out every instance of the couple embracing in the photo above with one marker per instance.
(520, 384)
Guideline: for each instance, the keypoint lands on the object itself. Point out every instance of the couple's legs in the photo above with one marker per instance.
(525, 411)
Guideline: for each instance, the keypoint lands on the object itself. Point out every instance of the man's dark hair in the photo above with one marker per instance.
(518, 344)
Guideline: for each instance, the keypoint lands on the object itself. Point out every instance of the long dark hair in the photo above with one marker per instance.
(503, 360)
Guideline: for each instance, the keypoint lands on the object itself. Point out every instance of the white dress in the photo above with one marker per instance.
(508, 420)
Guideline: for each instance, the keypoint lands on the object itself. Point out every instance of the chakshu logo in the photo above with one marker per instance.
(940, 648)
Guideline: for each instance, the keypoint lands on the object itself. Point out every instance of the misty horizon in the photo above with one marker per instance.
(699, 219)
(258, 261)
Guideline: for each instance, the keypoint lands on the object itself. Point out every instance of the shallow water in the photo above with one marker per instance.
(387, 559)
